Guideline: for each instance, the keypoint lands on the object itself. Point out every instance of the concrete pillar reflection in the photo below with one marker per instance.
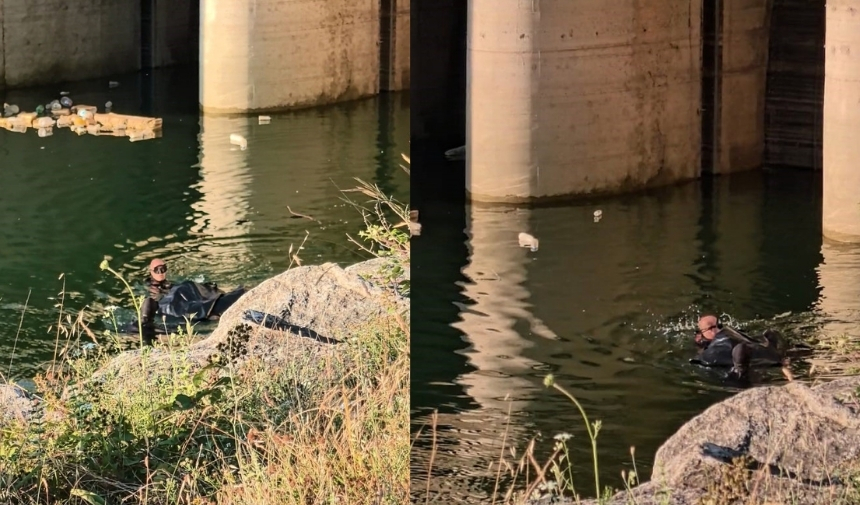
(497, 274)
(841, 209)
(839, 280)
(222, 209)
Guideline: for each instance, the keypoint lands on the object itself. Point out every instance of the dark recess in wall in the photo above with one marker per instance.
(147, 39)
(794, 101)
(711, 75)
(437, 98)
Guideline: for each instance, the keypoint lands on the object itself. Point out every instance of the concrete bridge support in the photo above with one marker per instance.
(742, 73)
(841, 148)
(573, 98)
(281, 54)
(579, 97)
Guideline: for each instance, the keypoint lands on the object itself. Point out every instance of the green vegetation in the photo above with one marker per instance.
(330, 430)
(739, 482)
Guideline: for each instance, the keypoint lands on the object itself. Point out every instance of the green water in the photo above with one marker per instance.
(609, 308)
(211, 210)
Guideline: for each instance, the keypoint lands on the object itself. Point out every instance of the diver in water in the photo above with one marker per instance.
(178, 303)
(722, 346)
(158, 287)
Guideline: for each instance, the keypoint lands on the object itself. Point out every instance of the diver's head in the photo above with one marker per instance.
(709, 326)
(158, 270)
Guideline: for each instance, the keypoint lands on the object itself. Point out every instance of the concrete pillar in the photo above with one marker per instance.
(394, 45)
(745, 26)
(580, 97)
(50, 41)
(841, 208)
(279, 54)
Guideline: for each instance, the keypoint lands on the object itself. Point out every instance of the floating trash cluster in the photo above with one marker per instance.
(81, 119)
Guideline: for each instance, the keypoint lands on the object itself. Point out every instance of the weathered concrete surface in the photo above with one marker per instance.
(47, 41)
(812, 432)
(744, 79)
(280, 54)
(579, 97)
(841, 209)
(395, 45)
(176, 32)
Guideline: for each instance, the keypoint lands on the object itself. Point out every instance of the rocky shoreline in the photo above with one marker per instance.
(795, 443)
(318, 300)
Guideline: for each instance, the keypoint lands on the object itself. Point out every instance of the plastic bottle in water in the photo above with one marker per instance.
(10, 110)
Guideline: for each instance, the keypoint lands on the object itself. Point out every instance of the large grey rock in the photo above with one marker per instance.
(15, 403)
(323, 300)
(809, 435)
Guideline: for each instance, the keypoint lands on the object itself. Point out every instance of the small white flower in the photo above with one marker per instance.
(562, 437)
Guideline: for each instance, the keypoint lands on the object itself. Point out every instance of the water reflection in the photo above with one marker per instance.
(839, 277)
(497, 307)
(222, 210)
(622, 295)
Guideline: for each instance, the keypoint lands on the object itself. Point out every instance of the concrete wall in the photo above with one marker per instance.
(841, 208)
(46, 41)
(279, 54)
(176, 27)
(577, 97)
(394, 45)
(744, 77)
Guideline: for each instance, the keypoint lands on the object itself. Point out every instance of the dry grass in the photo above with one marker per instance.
(521, 478)
(834, 356)
(236, 432)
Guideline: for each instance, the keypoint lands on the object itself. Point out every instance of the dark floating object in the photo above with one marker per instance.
(274, 322)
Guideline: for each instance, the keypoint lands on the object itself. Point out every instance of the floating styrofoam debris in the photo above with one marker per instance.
(264, 120)
(529, 241)
(239, 140)
(414, 225)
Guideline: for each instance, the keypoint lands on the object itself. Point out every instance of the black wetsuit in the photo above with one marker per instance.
(150, 306)
(726, 351)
